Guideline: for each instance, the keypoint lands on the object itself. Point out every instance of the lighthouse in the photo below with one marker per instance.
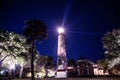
(61, 55)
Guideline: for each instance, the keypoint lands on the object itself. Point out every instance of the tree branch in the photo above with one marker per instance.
(4, 58)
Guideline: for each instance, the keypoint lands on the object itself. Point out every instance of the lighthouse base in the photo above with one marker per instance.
(61, 74)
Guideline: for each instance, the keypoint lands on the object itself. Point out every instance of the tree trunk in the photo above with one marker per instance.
(46, 75)
(10, 74)
(32, 61)
(21, 70)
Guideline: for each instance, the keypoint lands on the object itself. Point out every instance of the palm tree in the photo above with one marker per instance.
(35, 30)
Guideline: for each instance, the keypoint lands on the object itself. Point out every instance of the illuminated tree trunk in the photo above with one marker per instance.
(21, 70)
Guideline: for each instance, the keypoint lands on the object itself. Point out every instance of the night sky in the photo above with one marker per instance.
(85, 22)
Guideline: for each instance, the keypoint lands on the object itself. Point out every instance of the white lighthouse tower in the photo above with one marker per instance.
(61, 55)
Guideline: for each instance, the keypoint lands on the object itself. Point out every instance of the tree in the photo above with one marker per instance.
(13, 49)
(12, 45)
(45, 62)
(72, 63)
(111, 44)
(35, 30)
(103, 64)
